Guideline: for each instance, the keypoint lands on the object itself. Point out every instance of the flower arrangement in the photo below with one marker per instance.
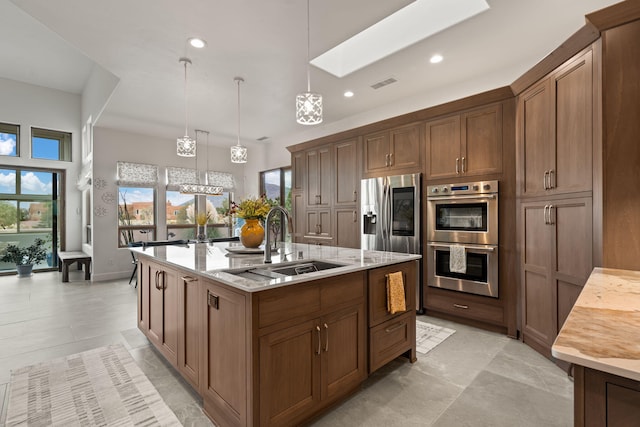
(251, 208)
(202, 218)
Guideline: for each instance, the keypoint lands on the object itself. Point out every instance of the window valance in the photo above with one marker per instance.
(140, 174)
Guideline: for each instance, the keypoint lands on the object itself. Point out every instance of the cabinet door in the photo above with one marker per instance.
(404, 148)
(290, 373)
(538, 303)
(145, 285)
(573, 122)
(378, 291)
(318, 177)
(318, 223)
(224, 379)
(298, 171)
(376, 153)
(535, 133)
(299, 223)
(572, 255)
(347, 173)
(190, 325)
(343, 350)
(481, 143)
(347, 232)
(443, 147)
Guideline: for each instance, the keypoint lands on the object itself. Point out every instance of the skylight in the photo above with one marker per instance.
(409, 25)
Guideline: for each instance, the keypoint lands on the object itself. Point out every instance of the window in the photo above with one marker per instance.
(9, 137)
(181, 210)
(276, 185)
(50, 145)
(220, 223)
(136, 215)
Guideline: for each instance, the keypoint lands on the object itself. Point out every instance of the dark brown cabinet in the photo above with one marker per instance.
(555, 131)
(347, 173)
(189, 339)
(556, 261)
(347, 227)
(395, 151)
(465, 144)
(318, 177)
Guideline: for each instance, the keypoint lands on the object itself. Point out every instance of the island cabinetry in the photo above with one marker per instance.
(226, 341)
(311, 347)
(465, 144)
(391, 335)
(605, 400)
(555, 131)
(556, 262)
(189, 328)
(158, 307)
(395, 151)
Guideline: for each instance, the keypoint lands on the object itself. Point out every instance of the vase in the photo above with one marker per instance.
(251, 233)
(24, 270)
(201, 233)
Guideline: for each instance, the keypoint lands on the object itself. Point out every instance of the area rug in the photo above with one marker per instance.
(428, 336)
(100, 387)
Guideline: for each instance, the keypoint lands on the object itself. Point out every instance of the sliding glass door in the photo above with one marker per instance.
(29, 209)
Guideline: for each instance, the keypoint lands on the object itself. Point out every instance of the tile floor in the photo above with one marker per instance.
(474, 378)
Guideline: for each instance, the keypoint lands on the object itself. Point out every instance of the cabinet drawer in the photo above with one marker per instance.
(287, 303)
(378, 291)
(466, 307)
(342, 289)
(390, 339)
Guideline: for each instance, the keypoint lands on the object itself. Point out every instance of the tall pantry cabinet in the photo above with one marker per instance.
(555, 150)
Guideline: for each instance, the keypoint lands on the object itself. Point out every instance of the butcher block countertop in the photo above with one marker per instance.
(603, 329)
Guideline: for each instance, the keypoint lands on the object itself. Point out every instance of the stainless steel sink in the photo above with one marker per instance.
(280, 271)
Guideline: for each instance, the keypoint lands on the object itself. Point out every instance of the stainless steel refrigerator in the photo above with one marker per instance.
(390, 208)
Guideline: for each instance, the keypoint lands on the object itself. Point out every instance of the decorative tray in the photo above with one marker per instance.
(241, 250)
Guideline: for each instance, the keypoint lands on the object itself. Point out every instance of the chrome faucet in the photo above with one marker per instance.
(267, 243)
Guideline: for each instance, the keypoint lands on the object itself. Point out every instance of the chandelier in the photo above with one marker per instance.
(308, 104)
(198, 188)
(238, 152)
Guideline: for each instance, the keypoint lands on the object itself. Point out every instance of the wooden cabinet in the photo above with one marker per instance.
(318, 222)
(347, 173)
(318, 177)
(189, 329)
(465, 144)
(158, 307)
(225, 355)
(312, 347)
(556, 258)
(394, 151)
(605, 400)
(555, 131)
(347, 227)
(391, 335)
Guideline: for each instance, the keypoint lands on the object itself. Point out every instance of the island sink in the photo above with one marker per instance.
(281, 271)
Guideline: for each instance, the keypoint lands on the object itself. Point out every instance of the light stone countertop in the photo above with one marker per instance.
(212, 260)
(603, 329)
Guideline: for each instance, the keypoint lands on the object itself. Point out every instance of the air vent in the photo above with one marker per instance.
(262, 138)
(383, 83)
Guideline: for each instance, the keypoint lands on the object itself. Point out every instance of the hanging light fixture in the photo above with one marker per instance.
(186, 145)
(197, 188)
(238, 152)
(308, 104)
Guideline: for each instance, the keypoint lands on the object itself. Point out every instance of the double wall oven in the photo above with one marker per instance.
(463, 215)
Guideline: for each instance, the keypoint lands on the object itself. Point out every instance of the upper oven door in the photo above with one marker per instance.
(463, 219)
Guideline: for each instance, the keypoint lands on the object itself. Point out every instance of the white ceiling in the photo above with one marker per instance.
(56, 43)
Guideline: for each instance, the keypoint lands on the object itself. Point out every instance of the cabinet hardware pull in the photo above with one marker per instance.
(463, 164)
(391, 159)
(551, 221)
(546, 221)
(158, 280)
(213, 300)
(544, 181)
(319, 339)
(386, 160)
(355, 196)
(188, 279)
(552, 179)
(394, 327)
(355, 216)
(318, 199)
(163, 275)
(457, 166)
(326, 337)
(464, 307)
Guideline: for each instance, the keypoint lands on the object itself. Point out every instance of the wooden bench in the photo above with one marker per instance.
(65, 259)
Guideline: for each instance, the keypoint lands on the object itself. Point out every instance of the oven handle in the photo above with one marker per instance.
(472, 247)
(462, 197)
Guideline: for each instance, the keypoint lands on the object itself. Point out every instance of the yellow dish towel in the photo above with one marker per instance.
(395, 293)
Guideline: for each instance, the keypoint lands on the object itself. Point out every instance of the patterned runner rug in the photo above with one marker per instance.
(428, 336)
(100, 387)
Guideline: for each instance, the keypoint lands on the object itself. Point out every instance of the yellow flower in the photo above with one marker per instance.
(251, 208)
(202, 218)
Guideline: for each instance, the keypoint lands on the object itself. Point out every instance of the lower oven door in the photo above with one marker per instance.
(481, 277)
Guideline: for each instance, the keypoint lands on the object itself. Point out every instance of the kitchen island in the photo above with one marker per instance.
(263, 345)
(601, 337)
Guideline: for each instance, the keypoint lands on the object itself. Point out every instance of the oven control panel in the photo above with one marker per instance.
(481, 187)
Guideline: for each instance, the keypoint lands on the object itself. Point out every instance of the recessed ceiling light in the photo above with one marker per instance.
(418, 20)
(197, 42)
(348, 94)
(435, 59)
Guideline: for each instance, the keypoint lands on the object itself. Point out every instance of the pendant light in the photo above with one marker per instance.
(238, 152)
(308, 104)
(186, 145)
(197, 188)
